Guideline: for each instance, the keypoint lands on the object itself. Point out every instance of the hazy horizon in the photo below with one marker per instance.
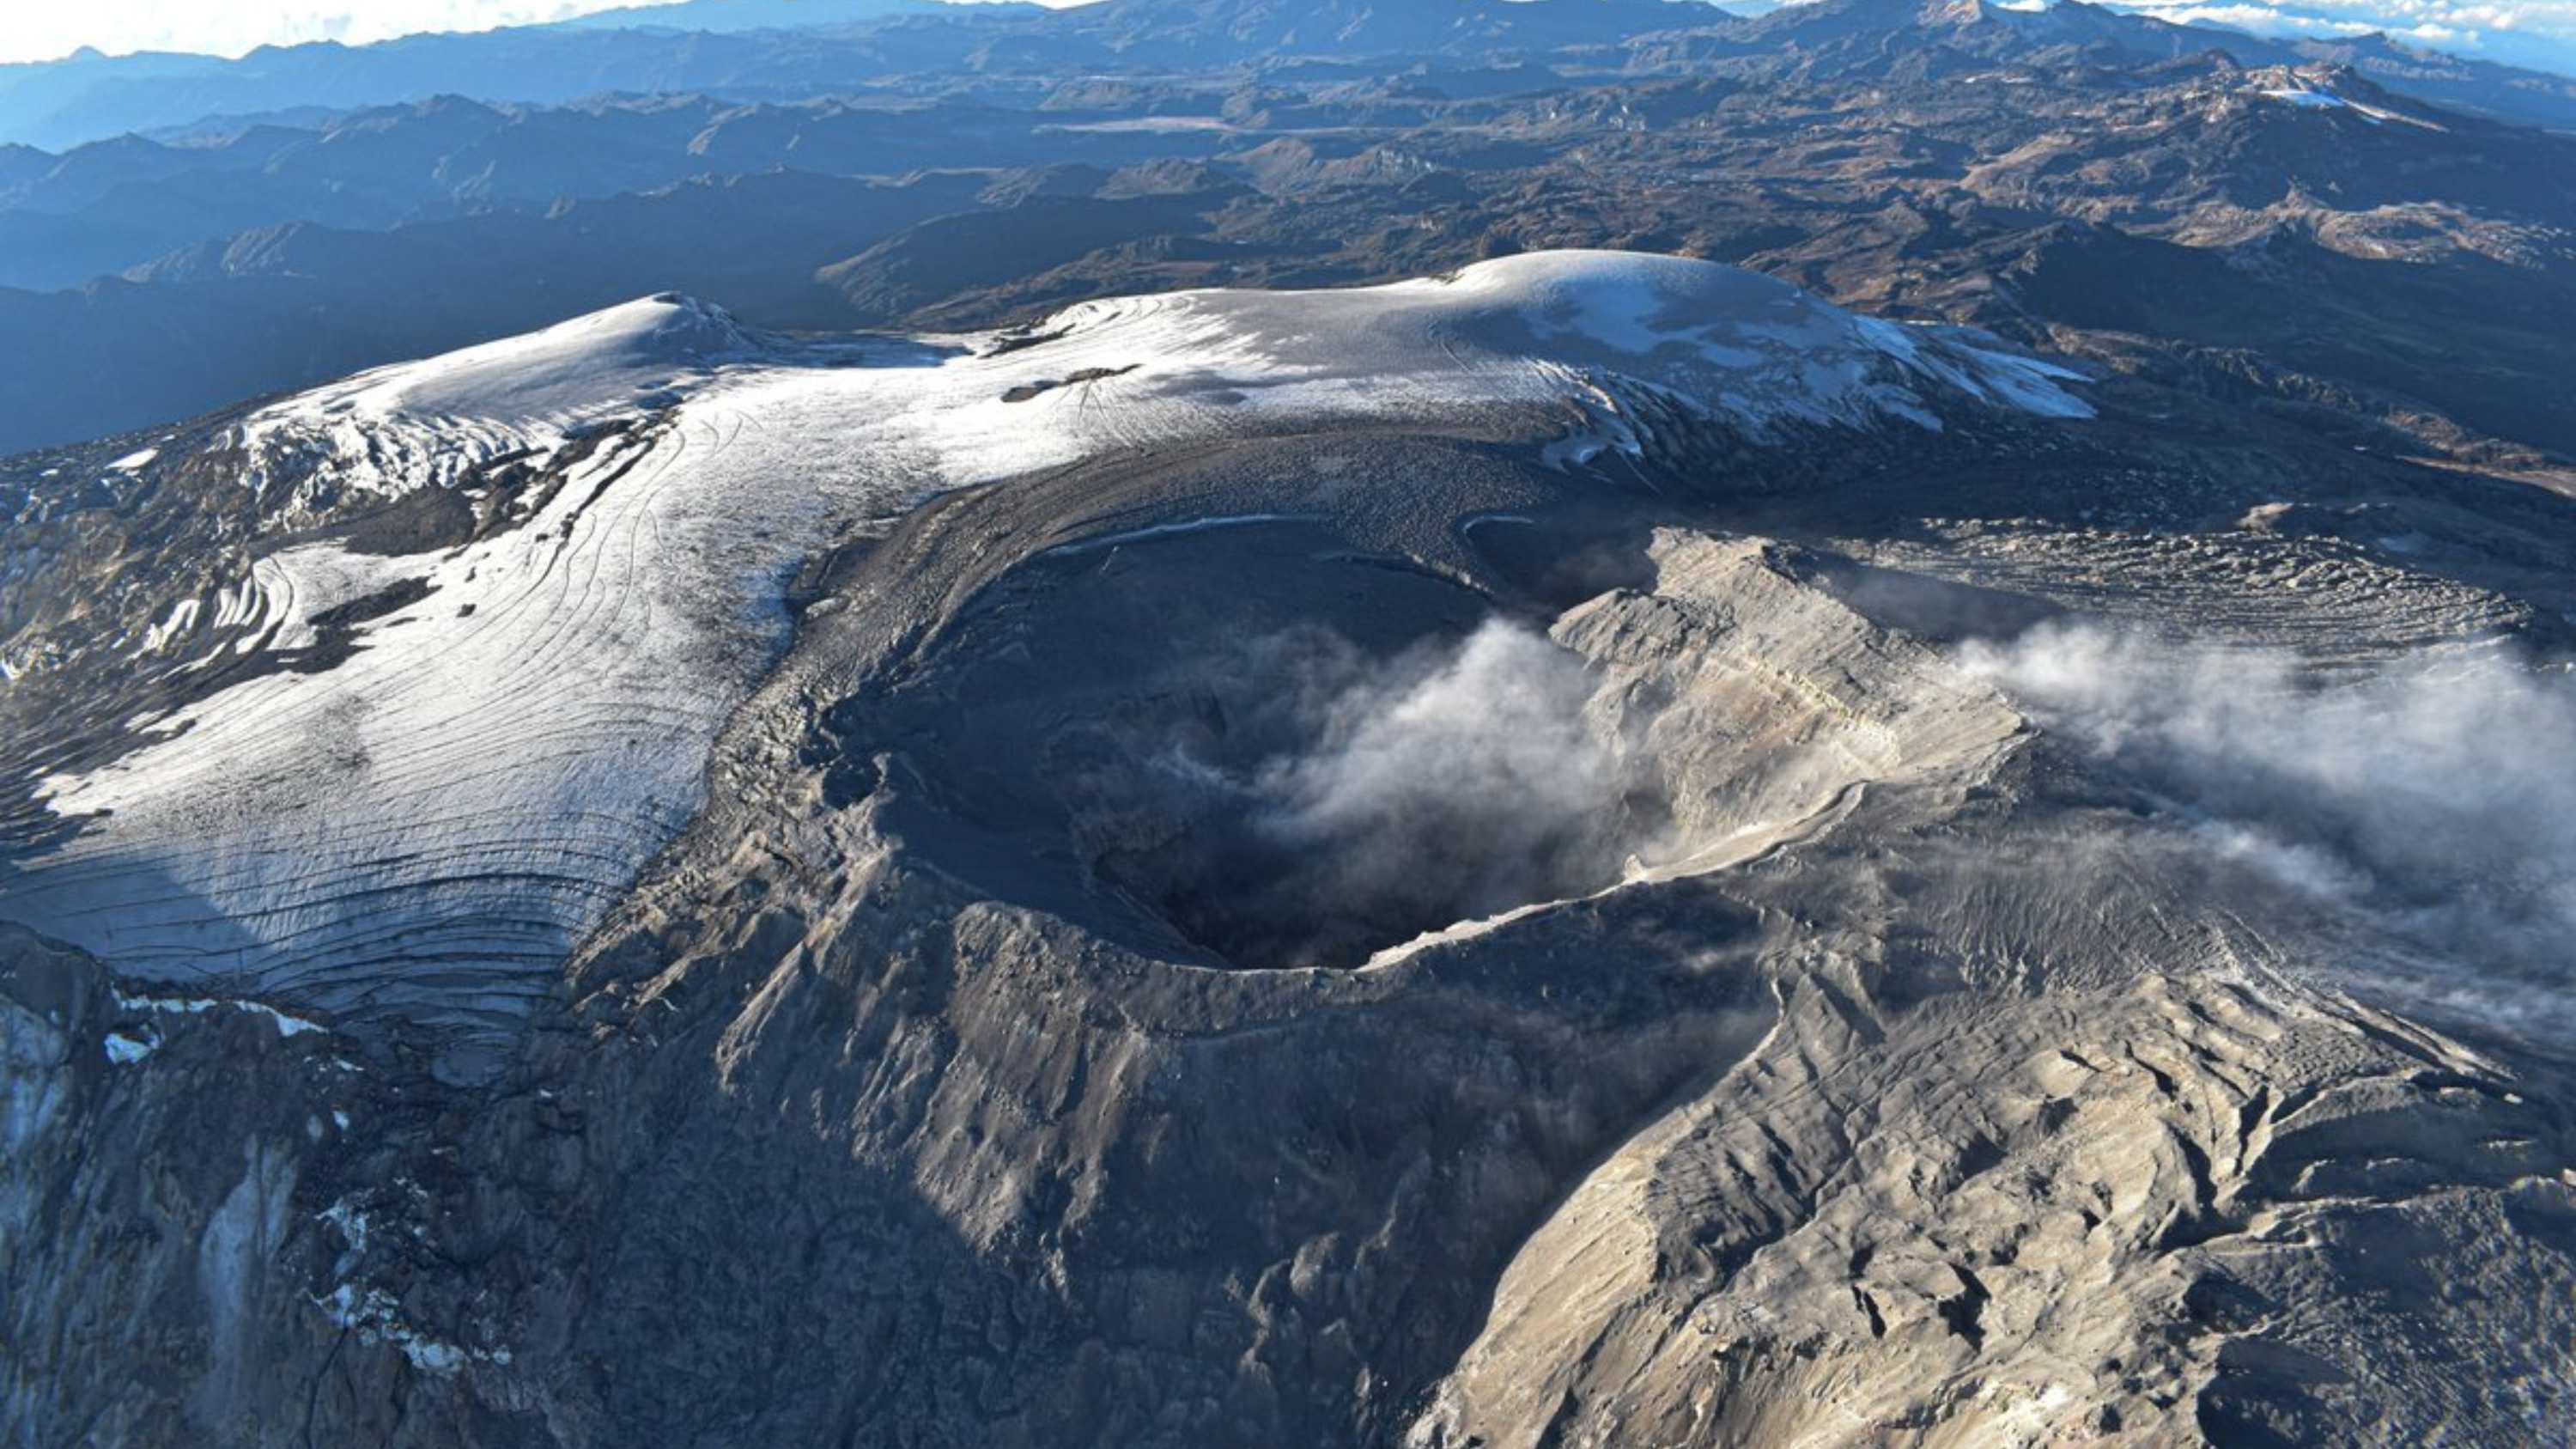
(2539, 33)
(231, 30)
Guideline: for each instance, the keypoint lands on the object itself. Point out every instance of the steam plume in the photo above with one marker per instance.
(2434, 792)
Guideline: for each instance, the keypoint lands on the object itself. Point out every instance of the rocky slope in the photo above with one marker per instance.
(1591, 850)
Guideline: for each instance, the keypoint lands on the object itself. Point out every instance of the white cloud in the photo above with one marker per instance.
(231, 27)
(2259, 20)
(30, 30)
(2539, 33)
(2428, 794)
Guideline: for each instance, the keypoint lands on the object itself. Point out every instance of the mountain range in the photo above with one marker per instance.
(724, 47)
(2004, 154)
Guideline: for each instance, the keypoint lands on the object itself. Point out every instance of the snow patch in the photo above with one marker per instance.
(2308, 98)
(193, 1006)
(428, 423)
(1166, 530)
(352, 1226)
(125, 1049)
(375, 1316)
(182, 618)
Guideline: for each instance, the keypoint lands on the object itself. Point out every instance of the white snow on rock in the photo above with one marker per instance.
(376, 1317)
(2310, 98)
(428, 422)
(125, 1050)
(421, 832)
(1542, 328)
(199, 1005)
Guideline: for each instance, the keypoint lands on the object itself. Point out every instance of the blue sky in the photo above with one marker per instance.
(2523, 32)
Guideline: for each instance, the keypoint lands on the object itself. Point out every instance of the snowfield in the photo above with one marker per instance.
(419, 424)
(2309, 98)
(421, 832)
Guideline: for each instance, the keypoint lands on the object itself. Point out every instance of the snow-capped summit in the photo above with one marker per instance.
(564, 370)
(410, 423)
(521, 716)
